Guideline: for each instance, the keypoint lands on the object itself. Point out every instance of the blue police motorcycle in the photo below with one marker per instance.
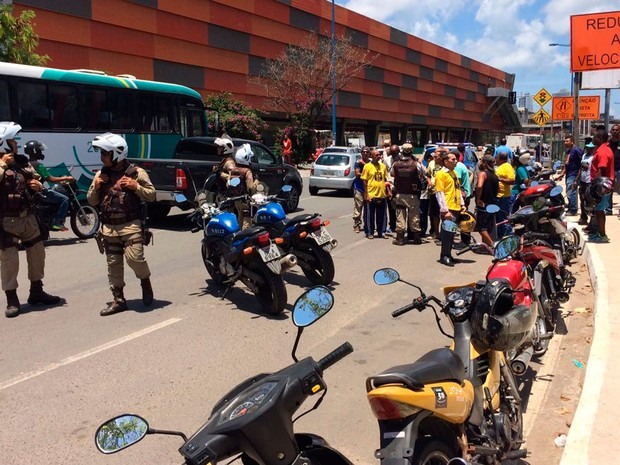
(304, 236)
(248, 255)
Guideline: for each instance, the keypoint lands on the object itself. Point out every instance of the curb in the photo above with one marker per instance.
(577, 448)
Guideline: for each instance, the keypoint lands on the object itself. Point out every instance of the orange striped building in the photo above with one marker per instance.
(413, 86)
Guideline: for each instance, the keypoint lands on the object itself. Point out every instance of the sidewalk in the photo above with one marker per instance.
(594, 429)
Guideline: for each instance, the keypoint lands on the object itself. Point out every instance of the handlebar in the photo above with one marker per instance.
(334, 356)
(419, 304)
(402, 310)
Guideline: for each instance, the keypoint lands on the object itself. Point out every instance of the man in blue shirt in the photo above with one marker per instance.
(358, 192)
(571, 169)
(503, 148)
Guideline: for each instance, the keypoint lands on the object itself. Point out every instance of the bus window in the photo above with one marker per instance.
(64, 105)
(5, 109)
(120, 107)
(145, 122)
(164, 116)
(96, 116)
(33, 109)
(192, 122)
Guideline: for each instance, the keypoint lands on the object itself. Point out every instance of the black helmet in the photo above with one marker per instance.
(599, 187)
(35, 149)
(496, 322)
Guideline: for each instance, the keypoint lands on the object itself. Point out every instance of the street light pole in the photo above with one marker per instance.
(333, 72)
(574, 91)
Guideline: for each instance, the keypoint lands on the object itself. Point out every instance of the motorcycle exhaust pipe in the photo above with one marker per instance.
(288, 261)
(334, 243)
(521, 362)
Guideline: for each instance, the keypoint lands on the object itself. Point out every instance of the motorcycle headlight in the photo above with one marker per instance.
(246, 403)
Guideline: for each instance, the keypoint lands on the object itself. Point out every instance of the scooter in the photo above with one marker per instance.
(457, 402)
(248, 255)
(304, 236)
(84, 218)
(255, 419)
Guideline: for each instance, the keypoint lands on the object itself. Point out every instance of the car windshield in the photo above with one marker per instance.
(332, 159)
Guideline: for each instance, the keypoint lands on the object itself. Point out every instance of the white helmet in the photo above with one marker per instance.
(243, 155)
(111, 143)
(8, 130)
(226, 143)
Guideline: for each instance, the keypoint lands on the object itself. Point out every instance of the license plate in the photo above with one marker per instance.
(321, 236)
(269, 253)
(328, 173)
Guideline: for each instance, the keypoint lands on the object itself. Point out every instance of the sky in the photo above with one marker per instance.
(512, 35)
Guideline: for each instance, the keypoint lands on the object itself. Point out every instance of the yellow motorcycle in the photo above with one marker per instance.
(460, 403)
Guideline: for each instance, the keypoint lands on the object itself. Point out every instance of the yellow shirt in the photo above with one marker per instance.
(447, 182)
(375, 177)
(505, 171)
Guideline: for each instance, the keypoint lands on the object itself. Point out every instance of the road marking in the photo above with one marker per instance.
(346, 216)
(349, 246)
(85, 354)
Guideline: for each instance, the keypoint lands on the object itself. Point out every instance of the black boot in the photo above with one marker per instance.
(12, 304)
(147, 291)
(118, 304)
(417, 238)
(39, 297)
(400, 239)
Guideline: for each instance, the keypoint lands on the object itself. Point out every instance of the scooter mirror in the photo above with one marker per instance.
(287, 188)
(120, 433)
(534, 183)
(312, 305)
(386, 276)
(234, 182)
(180, 198)
(260, 188)
(449, 226)
(492, 209)
(557, 190)
(506, 247)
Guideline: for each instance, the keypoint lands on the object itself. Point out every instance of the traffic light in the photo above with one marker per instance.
(512, 98)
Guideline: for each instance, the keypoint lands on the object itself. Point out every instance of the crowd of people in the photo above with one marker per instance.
(398, 194)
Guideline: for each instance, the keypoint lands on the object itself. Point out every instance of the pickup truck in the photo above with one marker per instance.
(192, 163)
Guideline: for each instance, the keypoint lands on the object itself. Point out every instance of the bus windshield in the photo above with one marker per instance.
(66, 109)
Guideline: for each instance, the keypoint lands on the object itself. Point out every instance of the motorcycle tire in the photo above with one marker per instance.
(549, 305)
(512, 407)
(209, 255)
(85, 222)
(573, 242)
(432, 452)
(272, 294)
(322, 272)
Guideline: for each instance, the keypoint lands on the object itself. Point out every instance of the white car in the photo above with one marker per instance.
(333, 170)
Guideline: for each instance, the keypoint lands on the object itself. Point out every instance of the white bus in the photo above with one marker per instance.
(66, 109)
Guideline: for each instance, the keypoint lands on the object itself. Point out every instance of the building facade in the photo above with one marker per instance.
(412, 89)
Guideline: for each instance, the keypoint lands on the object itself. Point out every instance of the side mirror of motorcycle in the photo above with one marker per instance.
(180, 198)
(120, 432)
(492, 209)
(310, 307)
(506, 247)
(449, 226)
(557, 190)
(385, 276)
(534, 183)
(286, 189)
(234, 182)
(539, 204)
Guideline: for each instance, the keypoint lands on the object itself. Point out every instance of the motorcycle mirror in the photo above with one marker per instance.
(557, 190)
(386, 276)
(450, 226)
(180, 198)
(492, 209)
(201, 197)
(234, 182)
(534, 183)
(260, 188)
(312, 305)
(120, 432)
(506, 247)
(539, 204)
(287, 188)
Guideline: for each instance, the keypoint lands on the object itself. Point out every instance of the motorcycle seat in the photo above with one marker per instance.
(435, 366)
(299, 219)
(248, 232)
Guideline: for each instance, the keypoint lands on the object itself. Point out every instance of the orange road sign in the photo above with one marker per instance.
(541, 117)
(563, 108)
(595, 41)
(542, 97)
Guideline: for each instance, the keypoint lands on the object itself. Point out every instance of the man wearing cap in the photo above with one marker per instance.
(522, 178)
(407, 185)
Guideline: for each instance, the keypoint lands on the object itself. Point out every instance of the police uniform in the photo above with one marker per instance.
(120, 212)
(19, 224)
(408, 187)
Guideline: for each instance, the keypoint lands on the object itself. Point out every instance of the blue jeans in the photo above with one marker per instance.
(504, 204)
(375, 217)
(571, 194)
(63, 205)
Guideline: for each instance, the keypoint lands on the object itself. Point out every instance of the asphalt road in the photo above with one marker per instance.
(65, 370)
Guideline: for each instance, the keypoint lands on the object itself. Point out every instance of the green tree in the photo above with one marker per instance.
(18, 41)
(235, 117)
(298, 83)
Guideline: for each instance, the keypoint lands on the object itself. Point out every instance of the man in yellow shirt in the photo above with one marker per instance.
(506, 175)
(374, 176)
(451, 204)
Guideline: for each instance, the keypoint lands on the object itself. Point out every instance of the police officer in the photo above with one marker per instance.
(18, 180)
(407, 184)
(118, 191)
(246, 186)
